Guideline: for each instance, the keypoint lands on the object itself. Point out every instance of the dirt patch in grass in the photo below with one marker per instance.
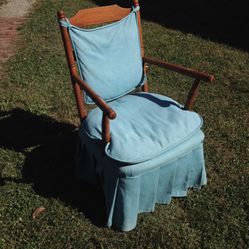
(13, 13)
(3, 2)
(15, 8)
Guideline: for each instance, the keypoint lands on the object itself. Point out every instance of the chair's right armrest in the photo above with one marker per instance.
(97, 99)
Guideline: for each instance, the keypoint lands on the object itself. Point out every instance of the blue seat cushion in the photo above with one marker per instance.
(146, 126)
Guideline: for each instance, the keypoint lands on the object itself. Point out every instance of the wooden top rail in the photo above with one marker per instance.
(180, 69)
(99, 15)
(98, 100)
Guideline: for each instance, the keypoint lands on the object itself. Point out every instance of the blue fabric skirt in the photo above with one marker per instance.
(134, 188)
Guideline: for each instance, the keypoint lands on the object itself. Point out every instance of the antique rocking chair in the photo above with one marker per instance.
(143, 148)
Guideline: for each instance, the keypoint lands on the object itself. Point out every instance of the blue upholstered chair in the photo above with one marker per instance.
(144, 148)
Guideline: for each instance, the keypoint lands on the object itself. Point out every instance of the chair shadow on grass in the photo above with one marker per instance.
(219, 21)
(49, 147)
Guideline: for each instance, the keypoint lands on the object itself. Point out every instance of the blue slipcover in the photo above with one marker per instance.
(131, 189)
(109, 57)
(156, 153)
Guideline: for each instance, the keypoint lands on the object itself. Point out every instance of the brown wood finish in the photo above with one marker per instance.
(180, 69)
(79, 101)
(145, 86)
(99, 15)
(136, 3)
(97, 99)
(192, 95)
(106, 136)
(72, 67)
(140, 33)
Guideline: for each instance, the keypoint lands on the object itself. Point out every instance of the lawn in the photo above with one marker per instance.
(38, 134)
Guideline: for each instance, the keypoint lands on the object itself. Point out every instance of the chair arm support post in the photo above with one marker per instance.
(98, 100)
(192, 95)
(180, 69)
(106, 136)
(145, 86)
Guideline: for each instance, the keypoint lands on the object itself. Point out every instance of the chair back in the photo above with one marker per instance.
(108, 57)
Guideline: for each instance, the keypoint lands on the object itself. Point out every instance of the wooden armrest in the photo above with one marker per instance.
(98, 100)
(180, 69)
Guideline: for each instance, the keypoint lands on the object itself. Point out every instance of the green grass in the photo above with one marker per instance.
(38, 136)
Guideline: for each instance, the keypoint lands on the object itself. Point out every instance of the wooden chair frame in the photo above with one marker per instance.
(100, 15)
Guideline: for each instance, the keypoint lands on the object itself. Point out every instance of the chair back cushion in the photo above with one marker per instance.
(109, 57)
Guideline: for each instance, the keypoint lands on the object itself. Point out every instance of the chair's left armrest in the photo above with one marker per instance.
(108, 112)
(180, 69)
(97, 99)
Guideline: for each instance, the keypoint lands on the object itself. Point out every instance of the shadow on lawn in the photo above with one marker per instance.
(49, 165)
(223, 21)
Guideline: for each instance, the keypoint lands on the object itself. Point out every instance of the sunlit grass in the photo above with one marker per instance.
(37, 137)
